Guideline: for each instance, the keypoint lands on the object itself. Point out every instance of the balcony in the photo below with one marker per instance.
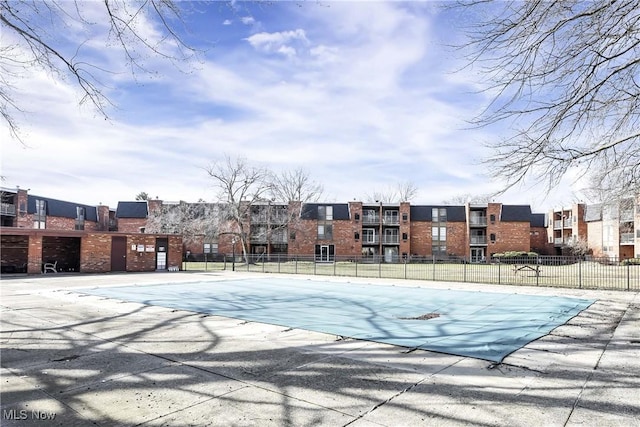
(8, 209)
(627, 239)
(391, 220)
(370, 240)
(557, 224)
(390, 240)
(478, 221)
(371, 219)
(478, 240)
(568, 223)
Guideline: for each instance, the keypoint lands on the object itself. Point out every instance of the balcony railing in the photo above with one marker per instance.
(557, 224)
(391, 220)
(371, 240)
(371, 219)
(627, 239)
(390, 240)
(478, 221)
(568, 223)
(8, 209)
(478, 240)
(558, 241)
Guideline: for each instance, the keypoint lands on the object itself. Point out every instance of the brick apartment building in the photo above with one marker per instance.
(608, 230)
(73, 237)
(37, 230)
(393, 232)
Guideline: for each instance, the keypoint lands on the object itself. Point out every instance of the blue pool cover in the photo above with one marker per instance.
(483, 325)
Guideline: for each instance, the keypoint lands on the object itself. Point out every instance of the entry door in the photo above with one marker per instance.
(161, 253)
(325, 253)
(118, 253)
(390, 254)
(477, 255)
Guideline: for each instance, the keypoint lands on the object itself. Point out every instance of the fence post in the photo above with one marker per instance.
(579, 274)
(278, 263)
(356, 261)
(464, 271)
(315, 264)
(499, 272)
(334, 266)
(433, 267)
(296, 265)
(380, 267)
(628, 276)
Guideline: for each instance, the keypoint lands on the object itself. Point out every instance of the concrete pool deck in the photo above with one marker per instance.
(72, 359)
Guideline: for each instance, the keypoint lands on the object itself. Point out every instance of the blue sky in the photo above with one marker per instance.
(362, 95)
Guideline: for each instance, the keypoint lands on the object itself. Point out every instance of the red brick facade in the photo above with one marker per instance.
(397, 235)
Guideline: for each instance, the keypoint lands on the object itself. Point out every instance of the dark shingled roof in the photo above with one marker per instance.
(62, 209)
(340, 210)
(538, 220)
(132, 209)
(516, 213)
(423, 213)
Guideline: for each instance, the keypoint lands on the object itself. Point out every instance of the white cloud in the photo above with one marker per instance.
(352, 94)
(248, 20)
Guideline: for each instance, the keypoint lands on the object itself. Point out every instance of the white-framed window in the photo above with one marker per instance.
(325, 213)
(325, 231)
(210, 248)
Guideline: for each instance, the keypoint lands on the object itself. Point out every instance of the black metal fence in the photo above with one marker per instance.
(551, 271)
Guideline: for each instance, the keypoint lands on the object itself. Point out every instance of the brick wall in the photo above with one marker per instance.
(35, 255)
(15, 251)
(457, 244)
(95, 253)
(539, 242)
(420, 243)
(131, 225)
(510, 236)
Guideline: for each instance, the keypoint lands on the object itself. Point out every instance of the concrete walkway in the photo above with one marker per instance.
(69, 359)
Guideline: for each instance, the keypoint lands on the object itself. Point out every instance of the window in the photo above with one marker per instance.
(492, 218)
(405, 236)
(439, 215)
(439, 233)
(210, 248)
(356, 235)
(292, 235)
(40, 216)
(325, 231)
(325, 213)
(368, 235)
(492, 237)
(357, 217)
(405, 217)
(80, 213)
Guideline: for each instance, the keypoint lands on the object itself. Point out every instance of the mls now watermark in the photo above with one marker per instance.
(23, 414)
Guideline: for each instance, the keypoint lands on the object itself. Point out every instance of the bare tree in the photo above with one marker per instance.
(191, 220)
(565, 83)
(240, 186)
(36, 36)
(465, 198)
(401, 192)
(295, 186)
